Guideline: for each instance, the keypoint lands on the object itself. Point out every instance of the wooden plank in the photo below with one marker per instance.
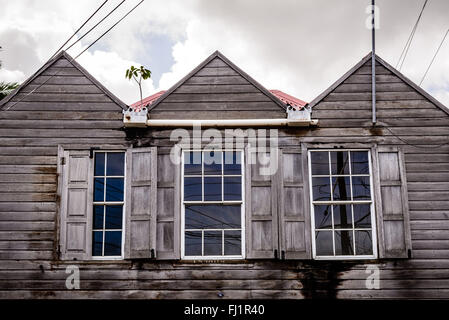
(12, 168)
(27, 197)
(62, 88)
(217, 80)
(62, 71)
(215, 89)
(26, 236)
(66, 133)
(262, 114)
(430, 235)
(27, 226)
(26, 245)
(212, 97)
(28, 178)
(64, 106)
(61, 124)
(27, 206)
(31, 187)
(27, 216)
(411, 95)
(366, 78)
(58, 115)
(61, 97)
(366, 87)
(26, 255)
(60, 80)
(46, 160)
(216, 72)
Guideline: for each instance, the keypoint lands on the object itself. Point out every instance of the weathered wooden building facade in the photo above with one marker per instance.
(347, 202)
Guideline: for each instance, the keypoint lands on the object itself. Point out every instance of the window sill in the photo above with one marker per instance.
(339, 258)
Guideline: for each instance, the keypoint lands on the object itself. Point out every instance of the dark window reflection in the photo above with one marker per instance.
(99, 189)
(341, 188)
(212, 243)
(340, 162)
(232, 163)
(343, 243)
(97, 243)
(232, 188)
(99, 164)
(212, 189)
(233, 243)
(114, 189)
(192, 243)
(323, 217)
(361, 188)
(98, 217)
(321, 189)
(342, 216)
(320, 162)
(359, 162)
(113, 217)
(192, 163)
(192, 189)
(363, 243)
(116, 164)
(362, 215)
(212, 162)
(323, 243)
(112, 243)
(212, 217)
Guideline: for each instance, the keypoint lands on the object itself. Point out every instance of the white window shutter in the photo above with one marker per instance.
(392, 204)
(140, 201)
(76, 180)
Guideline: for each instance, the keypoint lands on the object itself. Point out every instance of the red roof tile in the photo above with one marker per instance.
(285, 98)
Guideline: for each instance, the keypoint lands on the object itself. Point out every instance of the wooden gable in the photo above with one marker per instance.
(399, 101)
(62, 85)
(217, 89)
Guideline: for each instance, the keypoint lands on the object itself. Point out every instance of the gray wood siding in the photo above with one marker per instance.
(217, 91)
(31, 132)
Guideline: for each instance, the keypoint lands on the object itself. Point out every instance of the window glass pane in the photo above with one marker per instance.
(192, 189)
(192, 243)
(320, 162)
(359, 162)
(323, 217)
(192, 163)
(112, 243)
(113, 217)
(98, 189)
(342, 216)
(97, 243)
(362, 216)
(212, 217)
(233, 243)
(212, 189)
(363, 243)
(212, 162)
(361, 188)
(212, 243)
(232, 188)
(340, 162)
(323, 243)
(321, 189)
(116, 164)
(343, 243)
(341, 188)
(99, 164)
(98, 217)
(232, 163)
(114, 189)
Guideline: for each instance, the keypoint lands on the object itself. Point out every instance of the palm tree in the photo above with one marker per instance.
(6, 87)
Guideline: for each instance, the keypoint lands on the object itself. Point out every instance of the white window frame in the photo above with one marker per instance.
(331, 203)
(105, 203)
(241, 203)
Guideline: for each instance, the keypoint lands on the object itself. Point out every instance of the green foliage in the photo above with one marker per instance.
(138, 74)
(6, 88)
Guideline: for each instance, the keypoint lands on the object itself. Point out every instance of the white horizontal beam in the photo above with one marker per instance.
(228, 123)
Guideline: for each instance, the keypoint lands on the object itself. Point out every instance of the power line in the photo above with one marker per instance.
(434, 56)
(78, 29)
(95, 25)
(410, 39)
(415, 145)
(72, 59)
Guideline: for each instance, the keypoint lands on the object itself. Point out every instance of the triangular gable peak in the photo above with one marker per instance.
(392, 87)
(62, 84)
(217, 89)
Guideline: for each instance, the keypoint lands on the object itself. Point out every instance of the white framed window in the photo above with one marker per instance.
(213, 213)
(108, 205)
(342, 206)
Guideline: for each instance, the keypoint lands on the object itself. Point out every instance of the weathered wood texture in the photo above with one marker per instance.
(32, 130)
(217, 91)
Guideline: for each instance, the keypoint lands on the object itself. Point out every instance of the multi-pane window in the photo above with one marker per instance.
(342, 205)
(212, 204)
(109, 178)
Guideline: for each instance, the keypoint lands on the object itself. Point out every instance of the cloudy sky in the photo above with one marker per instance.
(298, 46)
